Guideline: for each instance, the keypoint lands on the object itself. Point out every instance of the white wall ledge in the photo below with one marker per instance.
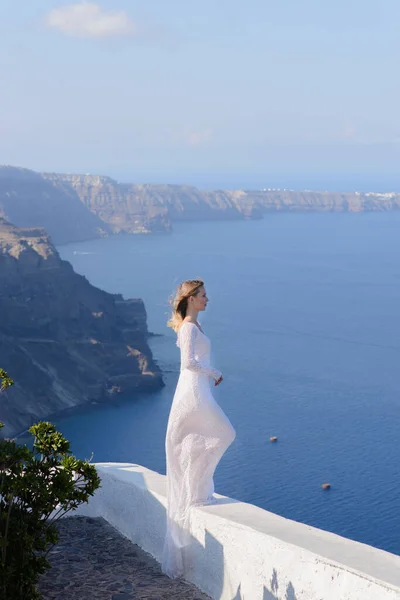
(240, 551)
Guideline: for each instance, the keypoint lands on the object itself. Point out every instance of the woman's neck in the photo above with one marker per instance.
(191, 315)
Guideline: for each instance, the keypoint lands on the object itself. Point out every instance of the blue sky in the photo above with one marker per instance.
(206, 92)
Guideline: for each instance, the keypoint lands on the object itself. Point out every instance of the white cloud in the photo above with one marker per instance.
(197, 138)
(88, 20)
(348, 133)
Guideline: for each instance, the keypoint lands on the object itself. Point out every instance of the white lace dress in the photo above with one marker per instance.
(198, 434)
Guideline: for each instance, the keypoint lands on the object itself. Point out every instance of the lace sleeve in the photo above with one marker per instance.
(187, 339)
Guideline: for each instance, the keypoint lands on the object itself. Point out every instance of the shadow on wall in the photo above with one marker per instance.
(204, 560)
(270, 594)
(206, 566)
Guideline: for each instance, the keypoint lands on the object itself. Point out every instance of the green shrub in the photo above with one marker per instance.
(38, 486)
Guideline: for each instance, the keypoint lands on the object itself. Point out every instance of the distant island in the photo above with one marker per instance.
(64, 342)
(75, 208)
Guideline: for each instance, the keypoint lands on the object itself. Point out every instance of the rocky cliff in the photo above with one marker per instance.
(121, 206)
(300, 201)
(29, 200)
(80, 207)
(145, 208)
(65, 342)
(135, 208)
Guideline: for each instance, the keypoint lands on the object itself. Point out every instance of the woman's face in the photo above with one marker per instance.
(199, 302)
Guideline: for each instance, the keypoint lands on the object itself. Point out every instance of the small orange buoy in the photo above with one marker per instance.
(326, 486)
(273, 438)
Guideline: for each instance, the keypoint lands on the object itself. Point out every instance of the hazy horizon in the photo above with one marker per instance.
(250, 181)
(301, 182)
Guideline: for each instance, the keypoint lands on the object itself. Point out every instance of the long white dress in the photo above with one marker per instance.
(198, 434)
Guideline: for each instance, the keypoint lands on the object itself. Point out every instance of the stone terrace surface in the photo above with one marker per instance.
(92, 561)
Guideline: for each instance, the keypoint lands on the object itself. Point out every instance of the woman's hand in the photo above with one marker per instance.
(218, 381)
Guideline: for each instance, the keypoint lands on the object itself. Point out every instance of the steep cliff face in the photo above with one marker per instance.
(123, 207)
(284, 200)
(65, 342)
(134, 208)
(29, 200)
(81, 207)
(146, 208)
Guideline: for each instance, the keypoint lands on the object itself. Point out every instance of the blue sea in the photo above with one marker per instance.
(304, 323)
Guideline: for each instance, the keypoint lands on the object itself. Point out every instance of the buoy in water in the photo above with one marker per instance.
(326, 486)
(273, 438)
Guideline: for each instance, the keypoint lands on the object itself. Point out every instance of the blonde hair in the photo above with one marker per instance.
(179, 301)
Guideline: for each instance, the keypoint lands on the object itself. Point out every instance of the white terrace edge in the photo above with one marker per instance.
(242, 552)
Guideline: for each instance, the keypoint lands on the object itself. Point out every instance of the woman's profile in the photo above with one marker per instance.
(198, 431)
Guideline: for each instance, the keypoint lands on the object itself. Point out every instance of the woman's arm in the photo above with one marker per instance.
(187, 337)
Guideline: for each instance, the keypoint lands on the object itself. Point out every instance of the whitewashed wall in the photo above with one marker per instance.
(242, 552)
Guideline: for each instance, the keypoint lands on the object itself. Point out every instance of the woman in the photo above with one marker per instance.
(198, 432)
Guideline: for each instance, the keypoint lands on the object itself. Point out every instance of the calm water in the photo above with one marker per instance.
(304, 321)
